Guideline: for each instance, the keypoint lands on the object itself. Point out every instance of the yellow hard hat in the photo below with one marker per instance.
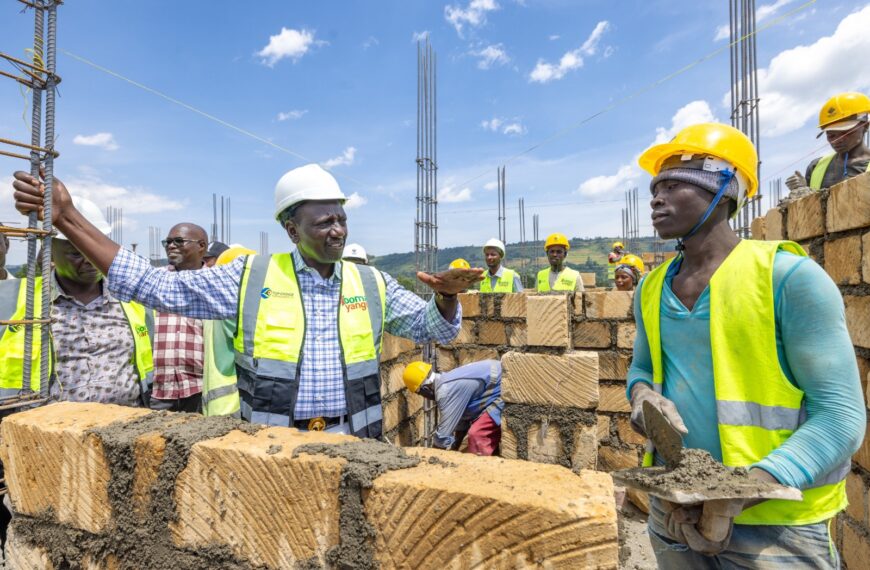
(843, 106)
(415, 374)
(229, 255)
(618, 244)
(556, 239)
(714, 140)
(459, 264)
(633, 261)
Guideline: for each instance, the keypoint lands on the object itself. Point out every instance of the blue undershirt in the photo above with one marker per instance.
(814, 350)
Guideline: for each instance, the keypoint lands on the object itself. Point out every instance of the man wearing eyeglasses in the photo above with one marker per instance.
(178, 348)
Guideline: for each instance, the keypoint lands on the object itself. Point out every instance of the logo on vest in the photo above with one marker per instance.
(142, 330)
(268, 293)
(358, 302)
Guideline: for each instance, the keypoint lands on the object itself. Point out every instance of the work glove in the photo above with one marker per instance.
(688, 524)
(640, 393)
(796, 181)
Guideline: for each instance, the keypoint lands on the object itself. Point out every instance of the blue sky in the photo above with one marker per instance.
(335, 82)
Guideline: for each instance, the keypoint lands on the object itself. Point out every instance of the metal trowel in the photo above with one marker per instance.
(665, 437)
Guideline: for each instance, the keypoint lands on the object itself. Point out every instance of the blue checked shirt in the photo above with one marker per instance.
(213, 293)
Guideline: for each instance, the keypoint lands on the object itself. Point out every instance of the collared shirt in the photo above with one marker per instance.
(213, 293)
(493, 279)
(178, 356)
(94, 348)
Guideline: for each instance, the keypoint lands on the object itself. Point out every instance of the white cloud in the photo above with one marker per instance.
(609, 184)
(134, 200)
(288, 43)
(345, 159)
(106, 141)
(514, 129)
(491, 55)
(371, 41)
(450, 193)
(554, 37)
(798, 80)
(544, 72)
(762, 13)
(689, 114)
(474, 15)
(292, 115)
(419, 36)
(355, 201)
(493, 124)
(490, 186)
(497, 124)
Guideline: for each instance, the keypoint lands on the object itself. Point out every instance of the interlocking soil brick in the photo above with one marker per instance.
(546, 448)
(446, 359)
(805, 218)
(612, 399)
(773, 224)
(548, 320)
(856, 493)
(862, 456)
(757, 228)
(625, 333)
(858, 319)
(608, 304)
(461, 511)
(865, 264)
(627, 434)
(592, 334)
(588, 279)
(23, 556)
(570, 380)
(392, 382)
(856, 548)
(611, 459)
(517, 334)
(469, 355)
(638, 498)
(849, 204)
(513, 305)
(248, 492)
(613, 365)
(466, 333)
(395, 346)
(470, 304)
(491, 332)
(585, 452)
(508, 445)
(603, 428)
(843, 260)
(55, 467)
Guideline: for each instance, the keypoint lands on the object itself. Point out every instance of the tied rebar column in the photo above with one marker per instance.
(426, 223)
(502, 218)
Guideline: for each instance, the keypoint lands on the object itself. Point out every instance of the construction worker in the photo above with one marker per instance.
(469, 395)
(743, 346)
(557, 277)
(355, 253)
(843, 119)
(309, 325)
(213, 251)
(101, 347)
(628, 272)
(499, 279)
(616, 253)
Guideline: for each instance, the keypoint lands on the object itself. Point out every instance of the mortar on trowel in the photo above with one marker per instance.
(691, 476)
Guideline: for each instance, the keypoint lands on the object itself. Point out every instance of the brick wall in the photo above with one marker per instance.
(833, 226)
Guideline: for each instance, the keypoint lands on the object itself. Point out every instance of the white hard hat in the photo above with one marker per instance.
(496, 243)
(92, 213)
(355, 251)
(309, 182)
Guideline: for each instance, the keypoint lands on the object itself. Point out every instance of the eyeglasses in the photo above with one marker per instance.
(177, 241)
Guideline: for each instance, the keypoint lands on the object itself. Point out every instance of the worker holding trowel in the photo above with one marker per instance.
(742, 345)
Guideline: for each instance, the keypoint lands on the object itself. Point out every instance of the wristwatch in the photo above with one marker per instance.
(443, 296)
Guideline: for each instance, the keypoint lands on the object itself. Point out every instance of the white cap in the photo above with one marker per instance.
(92, 213)
(496, 243)
(355, 251)
(309, 182)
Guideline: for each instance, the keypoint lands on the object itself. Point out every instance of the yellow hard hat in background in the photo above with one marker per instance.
(229, 255)
(415, 374)
(843, 106)
(556, 239)
(618, 244)
(459, 264)
(710, 140)
(633, 261)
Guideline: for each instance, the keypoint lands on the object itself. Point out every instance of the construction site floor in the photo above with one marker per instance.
(635, 550)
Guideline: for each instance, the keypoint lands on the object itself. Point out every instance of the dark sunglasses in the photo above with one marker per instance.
(177, 241)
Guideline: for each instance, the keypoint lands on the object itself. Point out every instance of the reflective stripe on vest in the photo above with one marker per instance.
(270, 334)
(821, 168)
(141, 322)
(504, 284)
(758, 408)
(565, 281)
(220, 392)
(12, 307)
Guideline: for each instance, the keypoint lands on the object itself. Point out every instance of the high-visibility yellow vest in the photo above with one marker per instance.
(12, 307)
(504, 284)
(220, 393)
(821, 168)
(758, 408)
(566, 281)
(271, 332)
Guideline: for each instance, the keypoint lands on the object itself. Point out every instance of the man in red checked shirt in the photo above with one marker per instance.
(178, 350)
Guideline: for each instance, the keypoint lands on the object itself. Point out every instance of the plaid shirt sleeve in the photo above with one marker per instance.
(209, 293)
(409, 316)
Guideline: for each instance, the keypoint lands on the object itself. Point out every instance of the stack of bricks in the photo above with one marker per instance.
(833, 226)
(403, 410)
(105, 487)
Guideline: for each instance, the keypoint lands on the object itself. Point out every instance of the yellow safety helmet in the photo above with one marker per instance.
(633, 261)
(459, 264)
(843, 106)
(229, 255)
(556, 239)
(415, 374)
(618, 244)
(728, 147)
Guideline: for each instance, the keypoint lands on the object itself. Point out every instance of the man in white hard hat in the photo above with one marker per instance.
(310, 326)
(355, 253)
(101, 346)
(499, 279)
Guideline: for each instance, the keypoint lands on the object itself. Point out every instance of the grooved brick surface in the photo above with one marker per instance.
(849, 204)
(517, 334)
(865, 263)
(856, 548)
(470, 304)
(627, 434)
(625, 334)
(547, 320)
(757, 228)
(613, 365)
(592, 334)
(588, 279)
(446, 359)
(773, 225)
(613, 399)
(843, 260)
(611, 459)
(469, 355)
(466, 333)
(508, 446)
(608, 304)
(486, 512)
(394, 346)
(805, 218)
(858, 319)
(856, 494)
(491, 332)
(862, 456)
(570, 380)
(513, 305)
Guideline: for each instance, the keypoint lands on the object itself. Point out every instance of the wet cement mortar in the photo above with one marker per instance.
(520, 417)
(139, 542)
(366, 460)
